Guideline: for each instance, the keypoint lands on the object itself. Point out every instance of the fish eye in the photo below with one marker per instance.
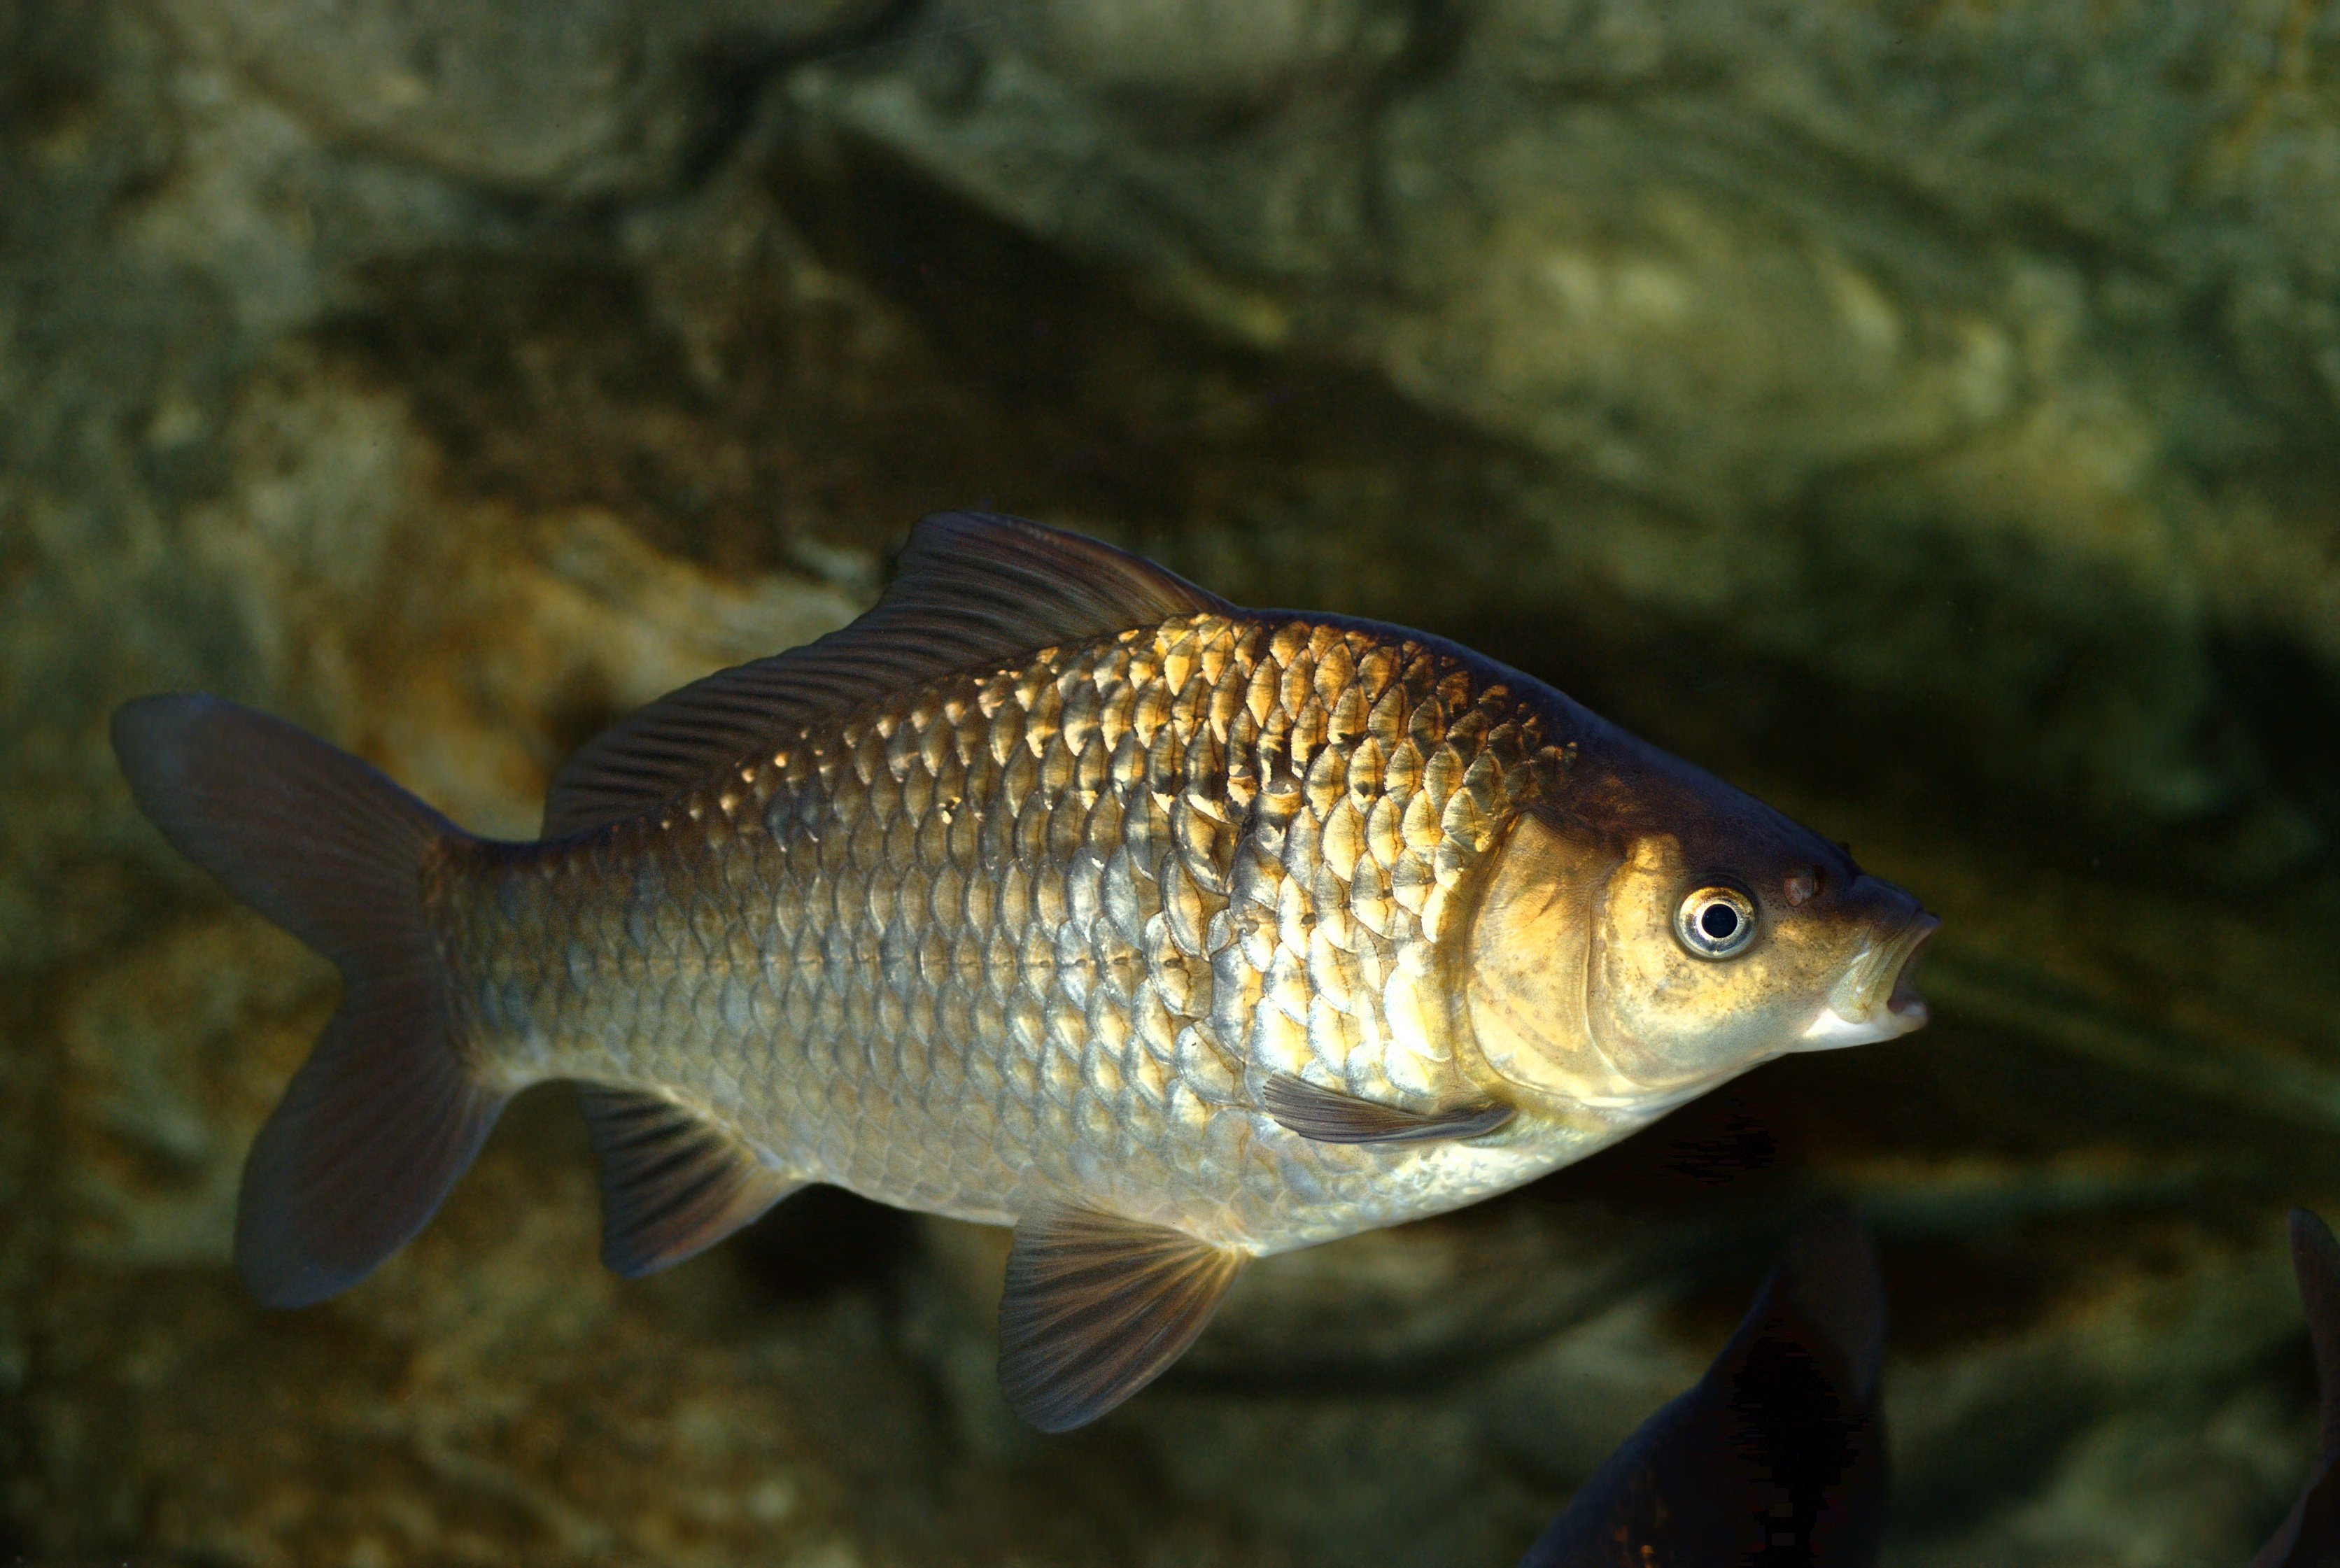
(1716, 921)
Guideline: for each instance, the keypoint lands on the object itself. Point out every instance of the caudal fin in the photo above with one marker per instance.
(386, 1114)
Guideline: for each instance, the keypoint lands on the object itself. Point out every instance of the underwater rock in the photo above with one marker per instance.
(1192, 65)
(569, 101)
(2009, 319)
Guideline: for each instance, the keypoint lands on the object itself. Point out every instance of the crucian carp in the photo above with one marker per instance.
(1054, 892)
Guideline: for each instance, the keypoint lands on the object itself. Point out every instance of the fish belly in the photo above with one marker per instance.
(1044, 932)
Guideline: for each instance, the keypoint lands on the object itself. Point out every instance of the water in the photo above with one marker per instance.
(1920, 417)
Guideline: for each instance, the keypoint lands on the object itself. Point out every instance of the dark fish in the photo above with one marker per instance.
(1054, 892)
(2310, 1535)
(1776, 1458)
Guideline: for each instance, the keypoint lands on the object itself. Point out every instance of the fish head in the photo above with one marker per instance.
(1669, 932)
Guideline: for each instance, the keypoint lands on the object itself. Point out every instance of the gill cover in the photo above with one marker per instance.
(1531, 953)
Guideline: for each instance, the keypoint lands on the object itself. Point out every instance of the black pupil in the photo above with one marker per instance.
(1718, 922)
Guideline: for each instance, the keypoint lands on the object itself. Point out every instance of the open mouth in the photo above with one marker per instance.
(1903, 1001)
(1877, 999)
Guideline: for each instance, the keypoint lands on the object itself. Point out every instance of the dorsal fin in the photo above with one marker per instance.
(1778, 1453)
(972, 587)
(1831, 1279)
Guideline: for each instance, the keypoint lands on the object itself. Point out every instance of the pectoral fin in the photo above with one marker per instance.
(1331, 1116)
(1096, 1307)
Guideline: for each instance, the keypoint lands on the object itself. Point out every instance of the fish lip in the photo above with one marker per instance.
(1879, 999)
(1903, 1001)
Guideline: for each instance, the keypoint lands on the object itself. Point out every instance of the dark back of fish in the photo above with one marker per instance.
(1776, 1458)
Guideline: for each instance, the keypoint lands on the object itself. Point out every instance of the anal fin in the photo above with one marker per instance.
(672, 1182)
(1096, 1307)
(1330, 1116)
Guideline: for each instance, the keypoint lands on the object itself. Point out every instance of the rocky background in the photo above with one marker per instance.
(1926, 413)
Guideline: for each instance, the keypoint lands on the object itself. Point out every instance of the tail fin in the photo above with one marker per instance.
(386, 1114)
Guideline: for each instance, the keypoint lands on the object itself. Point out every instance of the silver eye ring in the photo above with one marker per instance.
(1716, 921)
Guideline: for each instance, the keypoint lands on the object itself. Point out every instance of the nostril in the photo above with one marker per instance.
(1801, 887)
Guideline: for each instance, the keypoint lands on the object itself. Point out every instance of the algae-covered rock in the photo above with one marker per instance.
(2009, 319)
(571, 100)
(1922, 416)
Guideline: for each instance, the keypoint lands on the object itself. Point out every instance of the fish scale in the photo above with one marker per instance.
(1009, 933)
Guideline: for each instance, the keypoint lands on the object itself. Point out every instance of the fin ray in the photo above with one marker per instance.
(673, 1184)
(1330, 1116)
(971, 587)
(1096, 1307)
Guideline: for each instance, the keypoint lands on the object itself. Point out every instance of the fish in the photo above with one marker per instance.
(2310, 1537)
(1055, 892)
(1777, 1456)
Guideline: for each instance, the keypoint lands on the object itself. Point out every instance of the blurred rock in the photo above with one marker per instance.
(1197, 58)
(571, 100)
(1923, 417)
(2000, 328)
